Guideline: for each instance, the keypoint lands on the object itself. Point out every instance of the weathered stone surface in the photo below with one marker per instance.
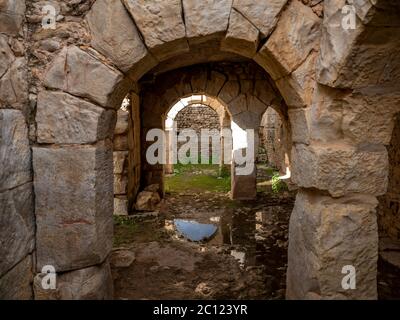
(243, 187)
(153, 188)
(300, 125)
(358, 57)
(341, 169)
(62, 118)
(6, 55)
(326, 115)
(15, 153)
(122, 122)
(242, 36)
(121, 142)
(215, 83)
(326, 234)
(120, 206)
(120, 161)
(122, 258)
(14, 85)
(11, 16)
(298, 88)
(229, 91)
(120, 183)
(263, 15)
(161, 24)
(74, 205)
(78, 73)
(296, 35)
(93, 283)
(17, 283)
(114, 34)
(17, 226)
(147, 201)
(368, 114)
(238, 105)
(206, 18)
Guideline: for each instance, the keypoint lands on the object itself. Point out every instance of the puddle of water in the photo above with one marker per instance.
(195, 231)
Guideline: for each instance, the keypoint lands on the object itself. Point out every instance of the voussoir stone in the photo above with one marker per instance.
(78, 73)
(326, 234)
(17, 226)
(206, 18)
(114, 34)
(263, 14)
(62, 118)
(92, 283)
(16, 284)
(74, 205)
(341, 169)
(15, 153)
(295, 36)
(161, 24)
(242, 36)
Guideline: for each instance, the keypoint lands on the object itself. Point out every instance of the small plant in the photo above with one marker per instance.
(277, 184)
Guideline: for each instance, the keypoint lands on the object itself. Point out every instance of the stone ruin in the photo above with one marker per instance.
(336, 91)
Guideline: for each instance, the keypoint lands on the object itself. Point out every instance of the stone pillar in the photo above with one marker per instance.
(121, 170)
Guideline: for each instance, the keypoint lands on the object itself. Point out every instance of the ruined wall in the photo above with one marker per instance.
(389, 204)
(197, 117)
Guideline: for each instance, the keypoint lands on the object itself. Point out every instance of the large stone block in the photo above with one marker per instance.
(93, 283)
(120, 161)
(62, 119)
(14, 86)
(17, 226)
(12, 15)
(17, 283)
(161, 24)
(363, 56)
(6, 55)
(242, 36)
(78, 73)
(206, 18)
(300, 123)
(296, 35)
(326, 234)
(341, 169)
(114, 34)
(15, 153)
(122, 122)
(74, 205)
(263, 14)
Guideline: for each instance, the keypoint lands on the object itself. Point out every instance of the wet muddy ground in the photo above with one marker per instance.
(246, 258)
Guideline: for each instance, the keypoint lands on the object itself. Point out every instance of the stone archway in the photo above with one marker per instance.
(338, 129)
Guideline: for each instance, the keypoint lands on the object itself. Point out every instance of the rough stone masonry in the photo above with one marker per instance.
(337, 91)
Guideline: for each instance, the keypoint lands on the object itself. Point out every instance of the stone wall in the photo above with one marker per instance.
(197, 117)
(17, 223)
(389, 204)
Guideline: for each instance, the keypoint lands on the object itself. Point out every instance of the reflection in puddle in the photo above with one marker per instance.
(195, 231)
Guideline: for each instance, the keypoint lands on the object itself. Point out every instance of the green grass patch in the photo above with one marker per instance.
(197, 178)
